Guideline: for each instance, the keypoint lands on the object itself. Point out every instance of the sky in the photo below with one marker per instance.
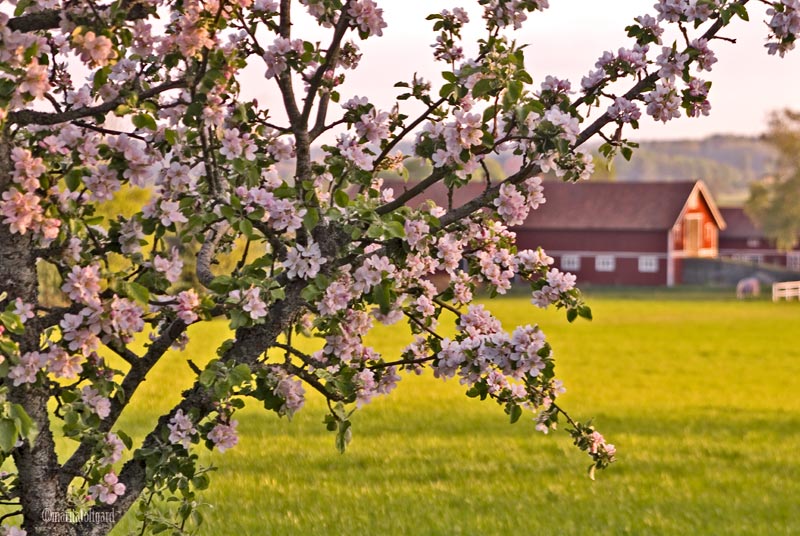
(566, 40)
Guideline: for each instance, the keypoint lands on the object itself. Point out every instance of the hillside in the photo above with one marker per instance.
(728, 164)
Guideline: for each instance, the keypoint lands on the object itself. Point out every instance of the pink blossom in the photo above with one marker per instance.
(367, 16)
(372, 272)
(131, 236)
(29, 365)
(64, 365)
(25, 311)
(303, 262)
(108, 490)
(102, 182)
(113, 447)
(181, 429)
(663, 103)
(705, 56)
(337, 297)
(252, 304)
(21, 211)
(276, 54)
(171, 267)
(27, 168)
(35, 82)
(224, 436)
(82, 284)
(366, 386)
(671, 62)
(95, 49)
(76, 335)
(292, 393)
(511, 205)
(96, 402)
(125, 318)
(354, 152)
(569, 125)
(186, 308)
(624, 110)
(170, 213)
(450, 251)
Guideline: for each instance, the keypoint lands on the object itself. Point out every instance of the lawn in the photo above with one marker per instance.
(700, 396)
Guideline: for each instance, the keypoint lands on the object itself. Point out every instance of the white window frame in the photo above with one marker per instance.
(605, 263)
(752, 258)
(753, 242)
(648, 264)
(571, 262)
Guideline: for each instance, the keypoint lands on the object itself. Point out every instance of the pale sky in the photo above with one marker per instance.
(566, 40)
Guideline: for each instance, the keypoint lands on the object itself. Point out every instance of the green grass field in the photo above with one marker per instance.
(700, 396)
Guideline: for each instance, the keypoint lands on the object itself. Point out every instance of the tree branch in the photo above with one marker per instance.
(331, 58)
(33, 117)
(50, 19)
(206, 254)
(136, 375)
(411, 126)
(437, 175)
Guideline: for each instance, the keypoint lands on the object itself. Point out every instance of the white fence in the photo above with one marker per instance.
(786, 290)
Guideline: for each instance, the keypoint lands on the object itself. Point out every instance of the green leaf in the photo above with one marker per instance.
(311, 219)
(246, 227)
(741, 11)
(125, 438)
(221, 284)
(482, 87)
(380, 295)
(22, 5)
(207, 377)
(73, 179)
(12, 322)
(341, 198)
(138, 292)
(343, 436)
(145, 121)
(627, 153)
(395, 229)
(515, 413)
(572, 314)
(201, 481)
(22, 420)
(240, 374)
(8, 435)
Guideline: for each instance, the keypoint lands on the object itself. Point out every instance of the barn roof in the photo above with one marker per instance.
(644, 206)
(739, 224)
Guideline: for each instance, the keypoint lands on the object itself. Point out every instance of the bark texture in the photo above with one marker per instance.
(36, 463)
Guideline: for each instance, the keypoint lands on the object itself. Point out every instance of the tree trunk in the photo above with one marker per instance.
(36, 464)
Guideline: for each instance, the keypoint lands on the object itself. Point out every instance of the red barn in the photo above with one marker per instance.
(742, 240)
(632, 233)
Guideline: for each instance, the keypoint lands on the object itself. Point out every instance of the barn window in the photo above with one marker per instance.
(648, 263)
(571, 262)
(605, 263)
(793, 261)
(753, 242)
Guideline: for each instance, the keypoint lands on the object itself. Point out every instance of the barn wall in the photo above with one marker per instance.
(758, 250)
(625, 246)
(626, 272)
(588, 240)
